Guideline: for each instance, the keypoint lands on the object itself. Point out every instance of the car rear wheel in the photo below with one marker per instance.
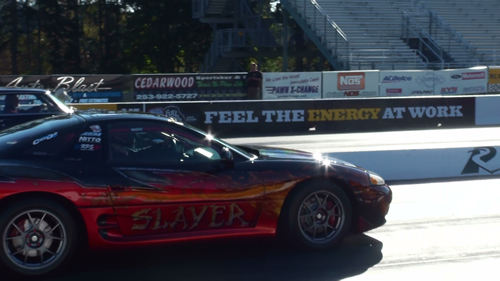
(37, 236)
(317, 216)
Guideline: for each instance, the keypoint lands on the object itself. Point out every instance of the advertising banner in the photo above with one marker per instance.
(268, 118)
(179, 87)
(494, 80)
(461, 81)
(406, 83)
(81, 88)
(291, 85)
(350, 84)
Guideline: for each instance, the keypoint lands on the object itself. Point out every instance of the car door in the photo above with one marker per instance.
(177, 181)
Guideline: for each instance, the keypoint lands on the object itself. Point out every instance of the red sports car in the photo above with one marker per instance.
(119, 180)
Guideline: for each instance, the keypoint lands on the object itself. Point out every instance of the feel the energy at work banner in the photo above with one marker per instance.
(494, 79)
(350, 84)
(289, 117)
(291, 85)
(81, 88)
(395, 83)
(461, 81)
(201, 86)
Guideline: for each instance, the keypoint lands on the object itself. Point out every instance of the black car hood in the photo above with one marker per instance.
(274, 153)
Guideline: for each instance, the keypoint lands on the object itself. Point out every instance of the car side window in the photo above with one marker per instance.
(12, 104)
(157, 143)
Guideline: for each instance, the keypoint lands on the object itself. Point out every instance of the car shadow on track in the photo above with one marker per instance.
(262, 259)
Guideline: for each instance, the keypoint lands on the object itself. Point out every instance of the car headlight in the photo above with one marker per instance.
(376, 179)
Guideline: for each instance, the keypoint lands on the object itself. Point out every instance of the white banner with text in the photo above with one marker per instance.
(406, 83)
(291, 85)
(461, 81)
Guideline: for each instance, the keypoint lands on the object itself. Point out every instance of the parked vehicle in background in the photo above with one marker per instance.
(19, 105)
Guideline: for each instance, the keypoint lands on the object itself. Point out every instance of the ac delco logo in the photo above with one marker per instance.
(351, 81)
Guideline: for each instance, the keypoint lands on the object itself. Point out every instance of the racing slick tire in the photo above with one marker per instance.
(38, 236)
(316, 216)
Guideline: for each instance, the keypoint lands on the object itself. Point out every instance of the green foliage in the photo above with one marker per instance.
(100, 36)
(132, 36)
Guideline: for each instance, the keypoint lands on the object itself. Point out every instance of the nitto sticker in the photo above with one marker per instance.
(84, 139)
(45, 138)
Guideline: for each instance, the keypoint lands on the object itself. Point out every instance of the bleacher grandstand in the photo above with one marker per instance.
(476, 21)
(397, 34)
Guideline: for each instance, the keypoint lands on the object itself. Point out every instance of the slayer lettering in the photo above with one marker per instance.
(190, 218)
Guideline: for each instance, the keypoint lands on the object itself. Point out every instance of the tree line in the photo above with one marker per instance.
(100, 36)
(127, 36)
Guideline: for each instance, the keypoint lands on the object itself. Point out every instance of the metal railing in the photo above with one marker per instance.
(256, 30)
(228, 40)
(224, 41)
(253, 31)
(384, 59)
(447, 37)
(410, 29)
(321, 29)
(491, 57)
(199, 8)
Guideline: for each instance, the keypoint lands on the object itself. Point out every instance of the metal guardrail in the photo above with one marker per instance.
(382, 58)
(198, 8)
(255, 28)
(333, 50)
(492, 57)
(226, 40)
(410, 29)
(447, 36)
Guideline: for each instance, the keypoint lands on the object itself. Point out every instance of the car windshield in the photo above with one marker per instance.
(212, 138)
(60, 104)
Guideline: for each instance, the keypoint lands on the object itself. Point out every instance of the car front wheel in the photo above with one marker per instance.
(317, 216)
(37, 236)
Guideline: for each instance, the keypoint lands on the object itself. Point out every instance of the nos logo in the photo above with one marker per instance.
(482, 158)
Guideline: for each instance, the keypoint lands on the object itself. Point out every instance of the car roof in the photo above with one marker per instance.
(42, 126)
(7, 90)
(96, 117)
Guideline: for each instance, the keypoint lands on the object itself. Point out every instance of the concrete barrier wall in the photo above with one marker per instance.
(428, 163)
(422, 164)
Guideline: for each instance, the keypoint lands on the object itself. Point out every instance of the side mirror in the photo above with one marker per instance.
(227, 159)
(227, 154)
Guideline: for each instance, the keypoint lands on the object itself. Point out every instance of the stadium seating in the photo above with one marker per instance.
(464, 31)
(476, 21)
(373, 29)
